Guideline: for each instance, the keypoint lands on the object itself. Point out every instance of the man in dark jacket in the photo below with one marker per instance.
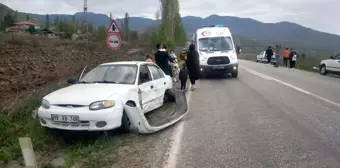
(162, 59)
(269, 54)
(193, 65)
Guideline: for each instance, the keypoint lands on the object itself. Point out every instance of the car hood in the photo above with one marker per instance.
(85, 94)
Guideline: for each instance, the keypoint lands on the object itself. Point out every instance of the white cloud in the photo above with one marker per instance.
(316, 14)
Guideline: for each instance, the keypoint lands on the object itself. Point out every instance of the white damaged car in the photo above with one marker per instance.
(133, 96)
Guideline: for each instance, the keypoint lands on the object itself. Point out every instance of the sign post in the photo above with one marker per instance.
(113, 39)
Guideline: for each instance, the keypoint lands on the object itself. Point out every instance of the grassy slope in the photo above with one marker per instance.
(86, 150)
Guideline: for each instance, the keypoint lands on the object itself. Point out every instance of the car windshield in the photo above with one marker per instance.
(215, 44)
(118, 74)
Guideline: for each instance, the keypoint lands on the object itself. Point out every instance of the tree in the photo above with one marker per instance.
(90, 28)
(47, 22)
(180, 36)
(16, 15)
(170, 31)
(31, 30)
(122, 30)
(57, 23)
(27, 17)
(100, 34)
(134, 35)
(2, 13)
(126, 27)
(73, 19)
(68, 27)
(8, 21)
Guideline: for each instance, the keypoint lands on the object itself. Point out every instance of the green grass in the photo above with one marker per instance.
(88, 149)
(98, 153)
(20, 123)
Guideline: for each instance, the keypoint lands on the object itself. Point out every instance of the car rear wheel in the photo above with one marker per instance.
(323, 69)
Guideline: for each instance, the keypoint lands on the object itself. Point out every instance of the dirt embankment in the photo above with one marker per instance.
(30, 62)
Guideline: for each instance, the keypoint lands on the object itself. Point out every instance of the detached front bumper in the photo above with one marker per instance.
(101, 120)
(227, 68)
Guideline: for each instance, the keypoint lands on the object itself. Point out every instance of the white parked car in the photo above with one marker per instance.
(263, 58)
(112, 95)
(331, 65)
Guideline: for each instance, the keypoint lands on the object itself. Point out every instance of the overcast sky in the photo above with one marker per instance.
(317, 14)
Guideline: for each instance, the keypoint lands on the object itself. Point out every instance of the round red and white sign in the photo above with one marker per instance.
(206, 33)
(113, 41)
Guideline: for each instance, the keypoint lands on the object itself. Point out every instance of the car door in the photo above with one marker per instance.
(337, 63)
(147, 89)
(334, 64)
(160, 83)
(261, 56)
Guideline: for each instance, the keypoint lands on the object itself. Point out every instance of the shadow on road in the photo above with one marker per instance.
(217, 77)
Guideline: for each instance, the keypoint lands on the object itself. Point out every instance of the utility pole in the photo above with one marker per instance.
(85, 24)
(110, 17)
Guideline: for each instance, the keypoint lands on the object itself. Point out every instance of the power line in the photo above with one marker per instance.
(85, 23)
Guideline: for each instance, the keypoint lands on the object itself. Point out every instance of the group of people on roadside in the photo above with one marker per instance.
(288, 55)
(168, 62)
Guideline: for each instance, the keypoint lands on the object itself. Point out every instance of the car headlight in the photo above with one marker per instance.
(98, 105)
(45, 104)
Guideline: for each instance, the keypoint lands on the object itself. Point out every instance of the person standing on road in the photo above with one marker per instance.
(277, 55)
(269, 54)
(193, 65)
(286, 54)
(183, 76)
(174, 64)
(162, 59)
(292, 58)
(238, 51)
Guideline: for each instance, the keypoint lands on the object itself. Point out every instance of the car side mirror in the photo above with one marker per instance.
(72, 81)
(332, 57)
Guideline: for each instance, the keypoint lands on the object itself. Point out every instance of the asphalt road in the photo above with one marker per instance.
(267, 117)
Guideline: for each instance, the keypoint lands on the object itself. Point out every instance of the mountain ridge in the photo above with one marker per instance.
(248, 30)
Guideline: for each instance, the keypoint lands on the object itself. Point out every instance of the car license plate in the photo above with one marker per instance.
(65, 118)
(219, 67)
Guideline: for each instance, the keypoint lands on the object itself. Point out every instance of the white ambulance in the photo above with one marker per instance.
(216, 50)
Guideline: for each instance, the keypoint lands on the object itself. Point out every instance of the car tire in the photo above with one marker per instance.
(234, 74)
(202, 75)
(126, 126)
(323, 69)
(169, 95)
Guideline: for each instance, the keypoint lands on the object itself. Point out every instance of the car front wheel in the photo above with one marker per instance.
(323, 69)
(126, 126)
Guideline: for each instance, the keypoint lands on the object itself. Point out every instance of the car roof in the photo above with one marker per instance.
(127, 63)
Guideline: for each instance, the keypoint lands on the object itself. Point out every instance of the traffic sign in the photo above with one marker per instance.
(113, 41)
(113, 28)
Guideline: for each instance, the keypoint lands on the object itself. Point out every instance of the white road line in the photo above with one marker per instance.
(291, 86)
(176, 140)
